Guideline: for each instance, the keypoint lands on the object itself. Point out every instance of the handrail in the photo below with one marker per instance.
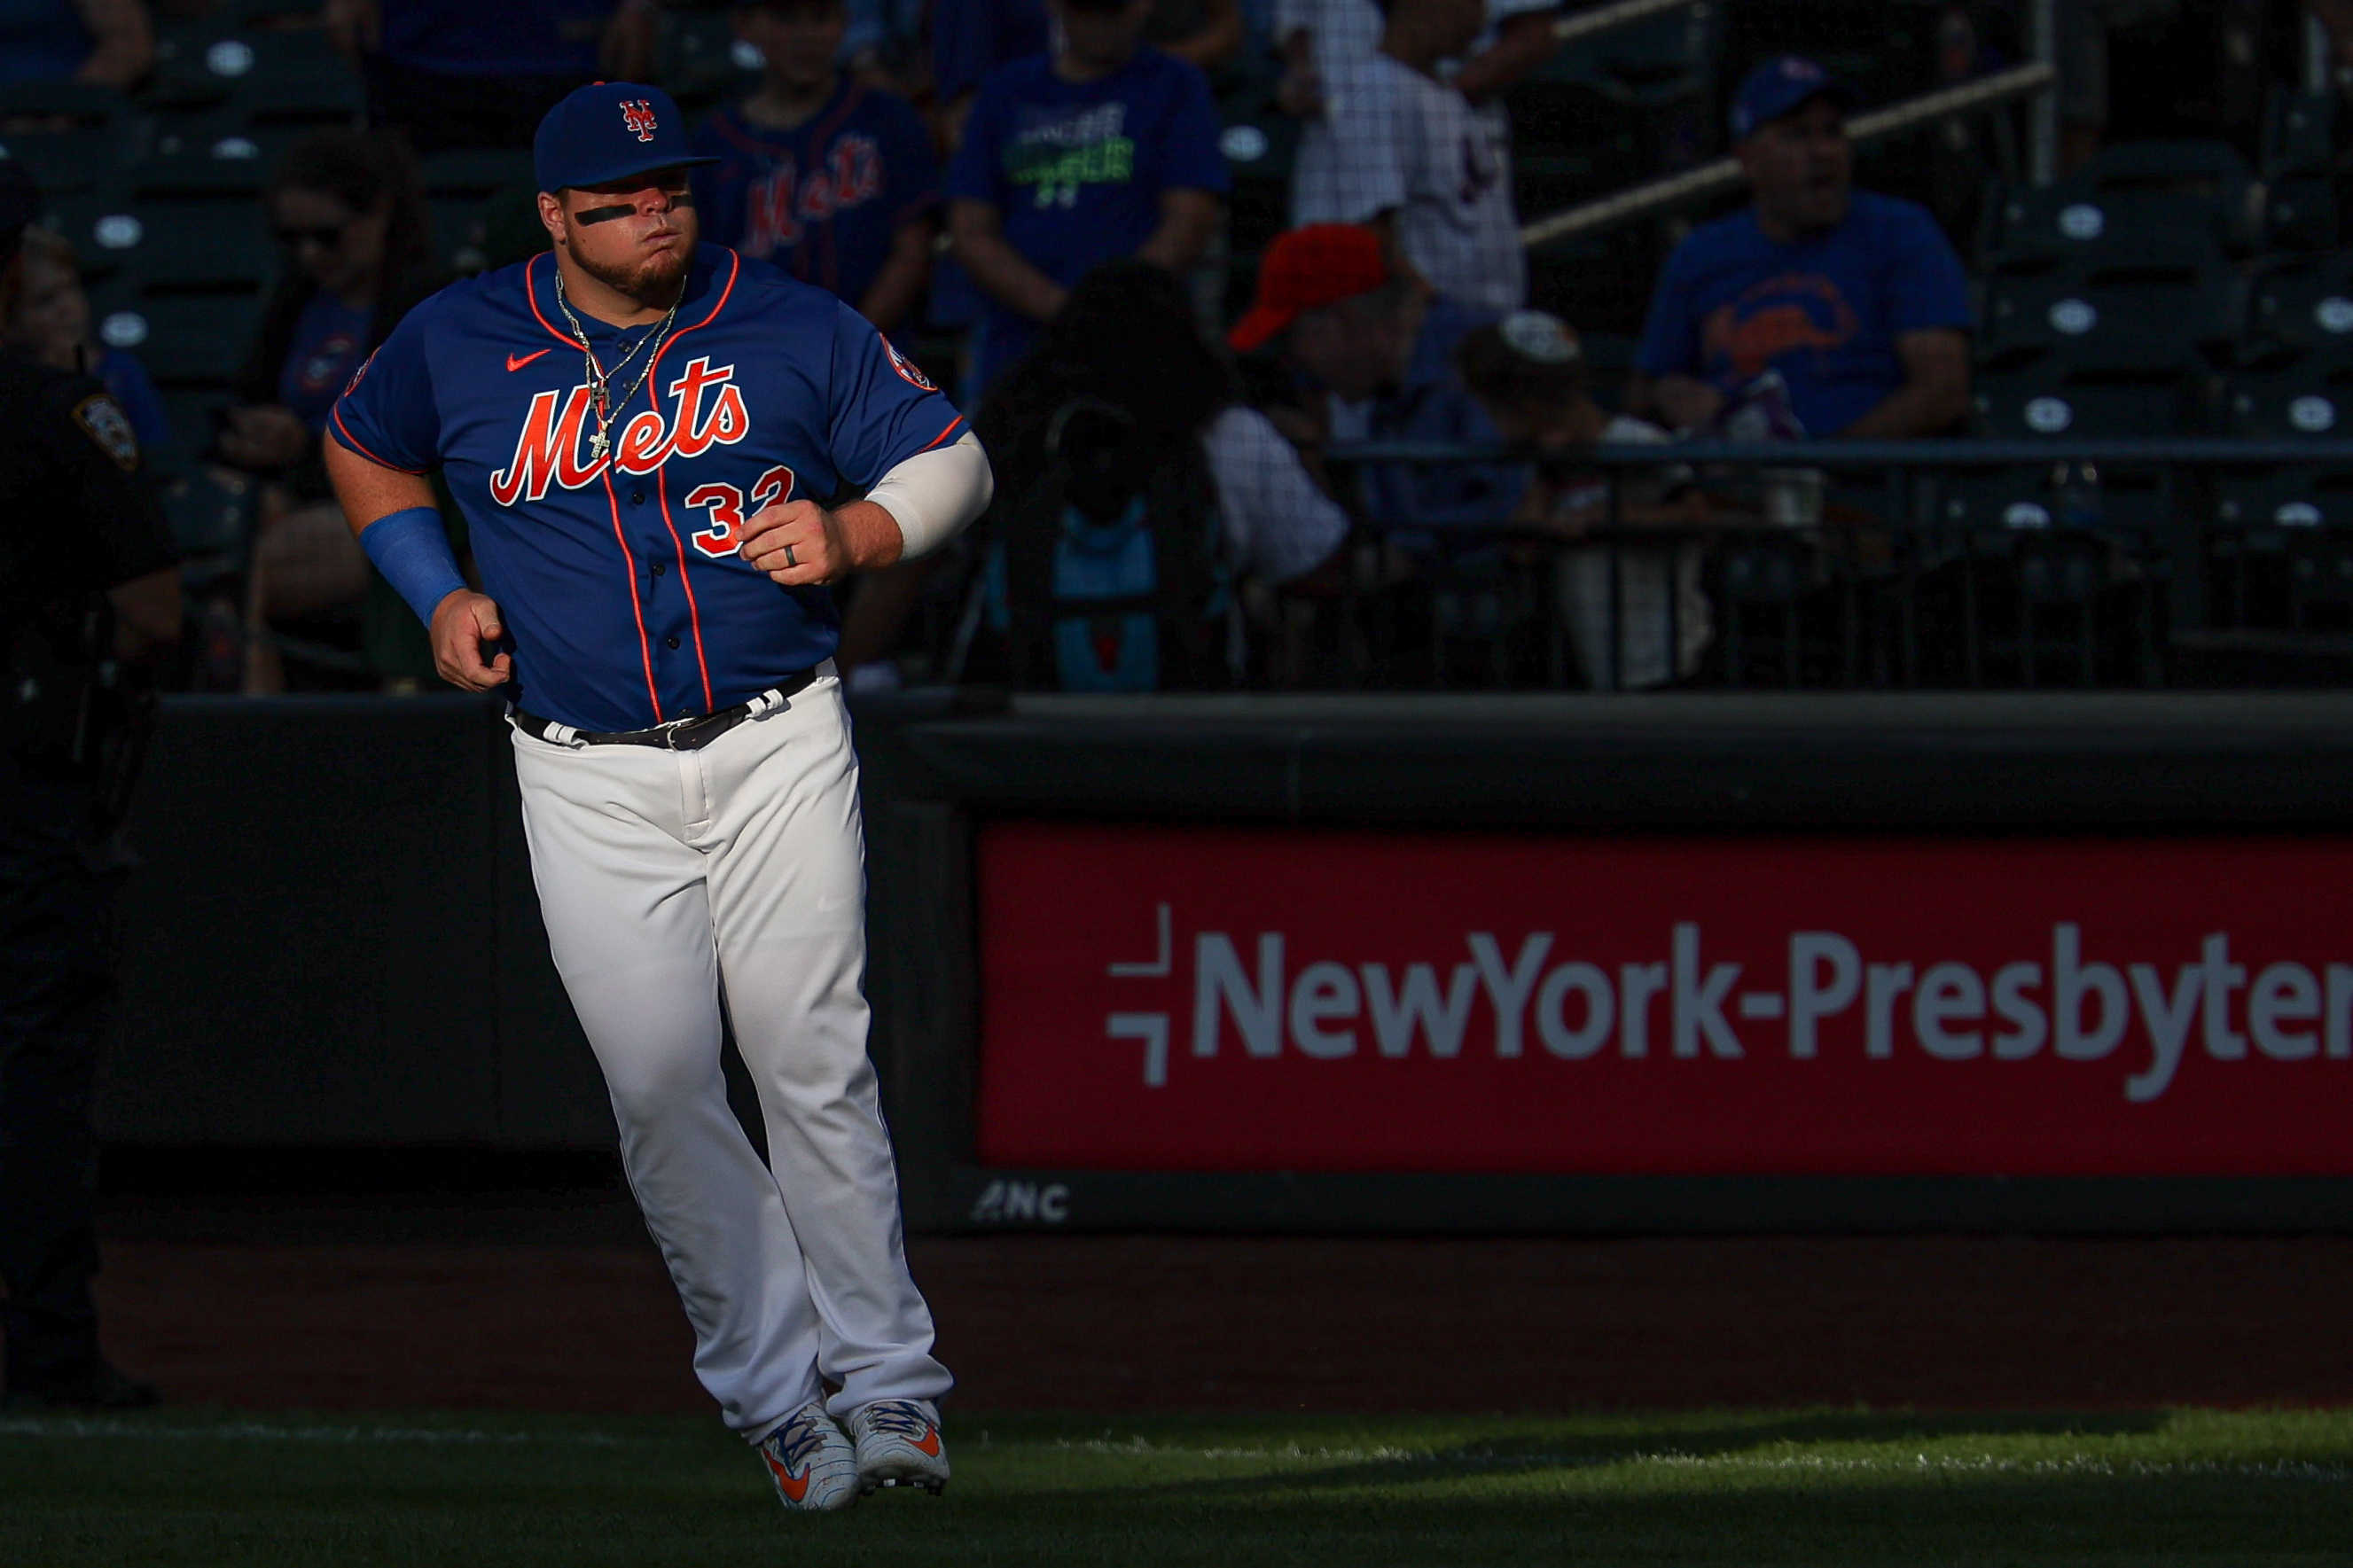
(1608, 18)
(1926, 454)
(1724, 174)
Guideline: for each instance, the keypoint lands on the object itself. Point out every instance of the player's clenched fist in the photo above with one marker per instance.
(797, 542)
(464, 624)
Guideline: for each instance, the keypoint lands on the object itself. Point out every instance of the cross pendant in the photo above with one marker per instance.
(595, 446)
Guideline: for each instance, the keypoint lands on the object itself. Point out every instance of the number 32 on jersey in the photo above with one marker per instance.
(729, 510)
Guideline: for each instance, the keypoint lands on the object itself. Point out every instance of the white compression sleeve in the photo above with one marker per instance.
(933, 495)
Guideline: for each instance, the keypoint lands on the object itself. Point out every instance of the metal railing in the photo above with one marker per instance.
(1884, 585)
(1714, 179)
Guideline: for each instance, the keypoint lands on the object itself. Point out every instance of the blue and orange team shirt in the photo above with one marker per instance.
(824, 200)
(1825, 309)
(616, 573)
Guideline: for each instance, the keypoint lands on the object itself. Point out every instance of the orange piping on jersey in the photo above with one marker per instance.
(336, 414)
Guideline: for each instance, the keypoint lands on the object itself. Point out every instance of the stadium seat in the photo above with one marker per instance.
(2300, 305)
(201, 246)
(2308, 399)
(193, 340)
(2130, 194)
(2298, 169)
(702, 62)
(211, 157)
(2166, 302)
(2284, 499)
(2049, 395)
(72, 136)
(456, 183)
(211, 511)
(202, 64)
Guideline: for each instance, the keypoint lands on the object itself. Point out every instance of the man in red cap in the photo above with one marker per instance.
(1381, 348)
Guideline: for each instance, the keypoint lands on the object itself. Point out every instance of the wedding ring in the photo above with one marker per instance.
(789, 557)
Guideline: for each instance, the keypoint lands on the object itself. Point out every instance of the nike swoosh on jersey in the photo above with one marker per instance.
(796, 1488)
(513, 363)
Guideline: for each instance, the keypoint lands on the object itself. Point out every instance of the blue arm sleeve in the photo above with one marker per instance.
(412, 549)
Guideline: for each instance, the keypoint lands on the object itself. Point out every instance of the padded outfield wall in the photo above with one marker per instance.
(1492, 964)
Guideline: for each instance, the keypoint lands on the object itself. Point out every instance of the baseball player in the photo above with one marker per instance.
(643, 433)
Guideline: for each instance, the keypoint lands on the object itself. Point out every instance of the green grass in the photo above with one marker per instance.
(1728, 1488)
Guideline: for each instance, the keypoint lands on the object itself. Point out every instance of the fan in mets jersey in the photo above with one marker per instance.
(643, 433)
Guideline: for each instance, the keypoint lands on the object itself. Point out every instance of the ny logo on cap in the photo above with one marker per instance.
(637, 115)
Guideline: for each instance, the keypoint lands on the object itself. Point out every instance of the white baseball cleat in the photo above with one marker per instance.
(815, 1468)
(899, 1444)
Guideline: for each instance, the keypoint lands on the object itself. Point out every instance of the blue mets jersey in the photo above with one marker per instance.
(616, 571)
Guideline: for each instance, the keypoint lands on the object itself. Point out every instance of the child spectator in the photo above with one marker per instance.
(1128, 339)
(52, 324)
(832, 181)
(1105, 149)
(1404, 153)
(1527, 371)
(1856, 298)
(1381, 348)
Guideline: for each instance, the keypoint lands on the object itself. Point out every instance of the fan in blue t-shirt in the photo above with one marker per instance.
(1105, 149)
(832, 181)
(1857, 299)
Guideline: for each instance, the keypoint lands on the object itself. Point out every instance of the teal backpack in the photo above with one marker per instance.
(1106, 574)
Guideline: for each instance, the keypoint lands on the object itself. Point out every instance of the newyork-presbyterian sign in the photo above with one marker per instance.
(1222, 1000)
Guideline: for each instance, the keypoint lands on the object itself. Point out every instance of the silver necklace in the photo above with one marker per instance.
(600, 379)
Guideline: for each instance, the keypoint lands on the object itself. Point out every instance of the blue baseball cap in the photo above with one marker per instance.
(1780, 85)
(610, 130)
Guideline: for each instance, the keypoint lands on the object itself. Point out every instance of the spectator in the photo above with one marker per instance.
(971, 39)
(347, 208)
(51, 323)
(107, 43)
(482, 73)
(1527, 371)
(1857, 299)
(1381, 348)
(1128, 338)
(1146, 411)
(1321, 43)
(833, 181)
(1103, 149)
(1404, 152)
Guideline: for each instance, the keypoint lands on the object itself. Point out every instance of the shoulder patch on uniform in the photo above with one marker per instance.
(352, 385)
(108, 426)
(906, 368)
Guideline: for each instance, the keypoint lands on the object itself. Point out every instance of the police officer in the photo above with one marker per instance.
(88, 586)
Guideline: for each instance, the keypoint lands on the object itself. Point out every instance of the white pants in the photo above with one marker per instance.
(675, 883)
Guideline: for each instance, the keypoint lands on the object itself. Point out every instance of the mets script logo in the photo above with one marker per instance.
(1779, 315)
(708, 411)
(638, 114)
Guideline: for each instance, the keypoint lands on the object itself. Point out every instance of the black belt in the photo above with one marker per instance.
(678, 735)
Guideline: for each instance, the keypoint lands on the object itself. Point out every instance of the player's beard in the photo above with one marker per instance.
(652, 280)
